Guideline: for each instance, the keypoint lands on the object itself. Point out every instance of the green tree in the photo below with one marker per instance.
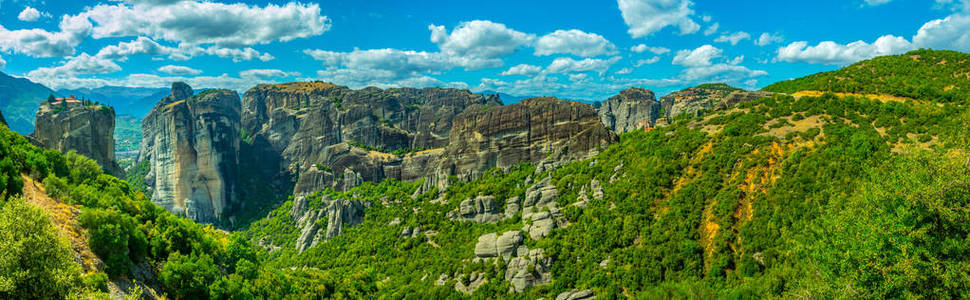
(35, 262)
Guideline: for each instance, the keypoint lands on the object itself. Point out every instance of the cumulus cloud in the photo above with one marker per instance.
(575, 42)
(75, 66)
(238, 55)
(226, 25)
(643, 48)
(720, 73)
(267, 73)
(523, 69)
(3, 63)
(645, 17)
(384, 66)
(179, 70)
(624, 71)
(42, 43)
(140, 46)
(952, 32)
(831, 53)
(569, 65)
(699, 57)
(733, 38)
(481, 39)
(30, 14)
(768, 39)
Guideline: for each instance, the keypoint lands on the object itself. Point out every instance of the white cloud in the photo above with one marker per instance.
(645, 17)
(643, 48)
(78, 65)
(42, 43)
(650, 61)
(831, 53)
(699, 57)
(179, 70)
(480, 39)
(30, 14)
(267, 73)
(712, 29)
(720, 73)
(624, 71)
(523, 69)
(733, 38)
(385, 67)
(569, 65)
(575, 42)
(3, 63)
(226, 25)
(238, 55)
(876, 2)
(952, 32)
(140, 46)
(768, 39)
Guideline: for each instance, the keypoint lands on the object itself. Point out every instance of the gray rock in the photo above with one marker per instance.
(192, 146)
(632, 109)
(576, 295)
(87, 129)
(338, 214)
(526, 271)
(597, 189)
(481, 209)
(475, 280)
(494, 245)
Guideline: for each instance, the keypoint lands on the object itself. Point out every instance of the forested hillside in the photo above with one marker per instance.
(791, 197)
(934, 75)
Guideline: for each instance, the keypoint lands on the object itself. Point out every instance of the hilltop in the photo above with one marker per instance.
(934, 75)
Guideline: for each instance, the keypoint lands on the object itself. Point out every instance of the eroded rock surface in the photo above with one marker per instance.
(192, 145)
(85, 127)
(495, 245)
(707, 98)
(325, 220)
(632, 109)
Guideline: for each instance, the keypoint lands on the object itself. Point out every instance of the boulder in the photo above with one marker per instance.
(576, 295)
(494, 245)
(481, 209)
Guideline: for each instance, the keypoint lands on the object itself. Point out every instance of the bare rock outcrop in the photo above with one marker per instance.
(481, 209)
(632, 109)
(324, 219)
(192, 145)
(706, 98)
(83, 126)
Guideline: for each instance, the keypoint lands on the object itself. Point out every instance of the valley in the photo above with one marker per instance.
(317, 190)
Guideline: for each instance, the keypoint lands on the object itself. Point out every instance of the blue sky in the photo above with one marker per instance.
(583, 50)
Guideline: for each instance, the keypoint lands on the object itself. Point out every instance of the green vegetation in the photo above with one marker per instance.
(718, 86)
(922, 74)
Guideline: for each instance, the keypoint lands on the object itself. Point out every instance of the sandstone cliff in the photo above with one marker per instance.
(85, 127)
(632, 109)
(192, 145)
(332, 136)
(706, 98)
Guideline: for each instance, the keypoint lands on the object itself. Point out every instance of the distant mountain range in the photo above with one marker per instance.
(19, 100)
(126, 100)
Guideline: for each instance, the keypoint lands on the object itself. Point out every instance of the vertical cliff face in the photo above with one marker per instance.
(82, 126)
(192, 145)
(538, 130)
(297, 128)
(632, 109)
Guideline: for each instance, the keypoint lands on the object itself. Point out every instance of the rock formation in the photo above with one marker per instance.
(706, 98)
(321, 135)
(632, 109)
(192, 145)
(86, 127)
(334, 214)
(2, 120)
(301, 125)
